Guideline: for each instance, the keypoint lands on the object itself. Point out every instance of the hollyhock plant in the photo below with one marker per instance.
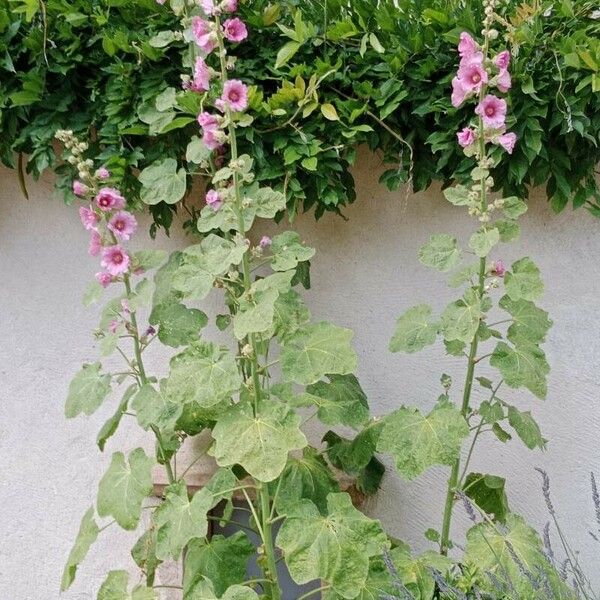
(235, 30)
(502, 60)
(467, 45)
(498, 268)
(466, 136)
(115, 260)
(95, 244)
(102, 173)
(201, 80)
(104, 278)
(123, 224)
(229, 5)
(507, 141)
(214, 199)
(471, 73)
(109, 199)
(203, 34)
(234, 96)
(208, 6)
(265, 241)
(80, 189)
(492, 111)
(503, 81)
(89, 218)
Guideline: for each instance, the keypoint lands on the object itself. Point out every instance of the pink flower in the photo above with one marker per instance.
(235, 30)
(110, 199)
(104, 278)
(214, 200)
(502, 60)
(88, 217)
(234, 96)
(102, 173)
(80, 189)
(265, 241)
(123, 224)
(203, 34)
(493, 111)
(507, 141)
(113, 326)
(466, 137)
(467, 45)
(115, 260)
(160, 1)
(95, 244)
(208, 121)
(471, 73)
(201, 81)
(125, 306)
(459, 93)
(503, 81)
(229, 5)
(498, 268)
(208, 6)
(211, 139)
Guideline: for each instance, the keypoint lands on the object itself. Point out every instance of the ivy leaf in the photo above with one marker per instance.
(288, 251)
(483, 241)
(487, 492)
(414, 330)
(177, 324)
(203, 373)
(529, 321)
(124, 486)
(115, 588)
(526, 427)
(440, 253)
(335, 548)
(87, 391)
(418, 442)
(222, 560)
(88, 533)
(339, 401)
(524, 281)
(460, 319)
(513, 207)
(307, 477)
(523, 365)
(317, 350)
(260, 443)
(110, 427)
(153, 408)
(162, 182)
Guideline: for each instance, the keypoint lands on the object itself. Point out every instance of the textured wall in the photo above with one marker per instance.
(364, 275)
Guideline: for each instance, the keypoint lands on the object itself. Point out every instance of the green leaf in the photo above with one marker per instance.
(260, 443)
(222, 560)
(153, 408)
(529, 321)
(88, 533)
(267, 202)
(487, 492)
(178, 324)
(339, 401)
(329, 112)
(375, 43)
(289, 315)
(460, 319)
(255, 314)
(93, 293)
(115, 588)
(523, 365)
(149, 259)
(526, 427)
(418, 442)
(288, 251)
(457, 195)
(204, 590)
(508, 230)
(524, 281)
(286, 52)
(334, 548)
(414, 330)
(204, 373)
(197, 152)
(124, 487)
(483, 241)
(110, 427)
(440, 253)
(87, 391)
(144, 554)
(317, 350)
(513, 207)
(162, 182)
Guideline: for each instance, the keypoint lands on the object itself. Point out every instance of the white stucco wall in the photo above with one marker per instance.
(364, 275)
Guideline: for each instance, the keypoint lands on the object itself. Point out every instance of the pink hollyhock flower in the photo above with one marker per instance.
(503, 81)
(471, 73)
(95, 244)
(104, 278)
(201, 81)
(125, 305)
(211, 140)
(507, 141)
(102, 173)
(160, 1)
(459, 93)
(235, 30)
(123, 224)
(467, 45)
(110, 199)
(88, 217)
(113, 326)
(115, 260)
(493, 111)
(234, 96)
(265, 241)
(208, 121)
(466, 137)
(203, 34)
(214, 200)
(498, 268)
(229, 5)
(80, 189)
(502, 60)
(208, 6)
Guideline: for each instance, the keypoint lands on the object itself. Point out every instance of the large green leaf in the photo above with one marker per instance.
(414, 330)
(88, 532)
(260, 443)
(177, 324)
(221, 559)
(87, 391)
(124, 486)
(115, 588)
(162, 182)
(460, 319)
(529, 321)
(526, 427)
(482, 241)
(524, 281)
(204, 373)
(154, 408)
(487, 492)
(317, 350)
(112, 424)
(418, 442)
(335, 547)
(144, 554)
(288, 251)
(203, 590)
(522, 365)
(441, 252)
(289, 314)
(256, 313)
